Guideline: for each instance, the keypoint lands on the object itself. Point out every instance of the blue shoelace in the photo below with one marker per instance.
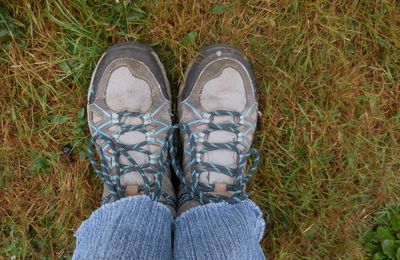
(112, 181)
(204, 193)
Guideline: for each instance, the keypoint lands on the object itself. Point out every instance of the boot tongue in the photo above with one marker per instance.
(221, 157)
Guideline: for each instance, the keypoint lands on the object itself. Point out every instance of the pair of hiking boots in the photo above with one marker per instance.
(129, 114)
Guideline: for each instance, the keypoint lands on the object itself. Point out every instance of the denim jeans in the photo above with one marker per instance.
(139, 228)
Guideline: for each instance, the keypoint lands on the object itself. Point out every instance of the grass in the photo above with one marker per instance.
(329, 92)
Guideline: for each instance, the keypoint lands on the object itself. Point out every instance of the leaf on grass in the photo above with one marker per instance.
(189, 39)
(295, 6)
(81, 113)
(64, 65)
(137, 17)
(83, 155)
(4, 33)
(10, 28)
(371, 236)
(60, 119)
(39, 165)
(394, 219)
(371, 247)
(379, 256)
(389, 248)
(384, 233)
(218, 9)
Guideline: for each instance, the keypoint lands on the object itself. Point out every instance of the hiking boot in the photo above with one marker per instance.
(218, 115)
(129, 115)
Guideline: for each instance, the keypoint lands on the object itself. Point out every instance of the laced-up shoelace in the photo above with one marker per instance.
(157, 165)
(204, 193)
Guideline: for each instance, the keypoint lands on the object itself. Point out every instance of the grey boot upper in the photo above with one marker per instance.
(218, 116)
(129, 114)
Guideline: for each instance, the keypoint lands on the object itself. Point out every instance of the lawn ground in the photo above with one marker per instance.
(328, 79)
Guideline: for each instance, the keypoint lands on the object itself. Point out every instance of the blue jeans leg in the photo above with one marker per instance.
(220, 231)
(131, 228)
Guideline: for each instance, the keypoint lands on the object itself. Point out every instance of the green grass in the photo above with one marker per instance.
(329, 134)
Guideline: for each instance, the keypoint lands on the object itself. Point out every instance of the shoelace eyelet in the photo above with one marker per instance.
(150, 136)
(147, 119)
(153, 158)
(115, 118)
(240, 137)
(241, 119)
(198, 157)
(206, 118)
(201, 138)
